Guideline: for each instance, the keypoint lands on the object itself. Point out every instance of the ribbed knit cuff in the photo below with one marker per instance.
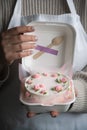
(80, 83)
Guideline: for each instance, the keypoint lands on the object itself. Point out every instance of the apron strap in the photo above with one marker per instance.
(71, 6)
(16, 17)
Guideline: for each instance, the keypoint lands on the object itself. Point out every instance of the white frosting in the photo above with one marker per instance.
(48, 81)
(51, 84)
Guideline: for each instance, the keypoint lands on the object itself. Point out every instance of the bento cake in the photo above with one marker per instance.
(48, 88)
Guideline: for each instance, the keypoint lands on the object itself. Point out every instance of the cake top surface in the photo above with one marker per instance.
(47, 83)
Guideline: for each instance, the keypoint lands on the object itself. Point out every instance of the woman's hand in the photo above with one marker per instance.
(16, 44)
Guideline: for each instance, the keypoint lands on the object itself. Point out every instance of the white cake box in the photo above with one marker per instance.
(47, 61)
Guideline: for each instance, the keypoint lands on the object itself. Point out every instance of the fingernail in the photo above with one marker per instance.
(30, 51)
(31, 27)
(34, 46)
(36, 38)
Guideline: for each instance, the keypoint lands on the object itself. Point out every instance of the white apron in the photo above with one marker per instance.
(80, 51)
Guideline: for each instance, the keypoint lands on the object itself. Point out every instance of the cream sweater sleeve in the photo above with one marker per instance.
(80, 83)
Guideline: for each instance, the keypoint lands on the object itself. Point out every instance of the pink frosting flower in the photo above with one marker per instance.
(36, 87)
(64, 80)
(27, 94)
(29, 81)
(58, 88)
(43, 92)
(45, 74)
(41, 85)
(36, 76)
(54, 75)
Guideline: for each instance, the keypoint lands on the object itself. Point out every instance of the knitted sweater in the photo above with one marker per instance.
(80, 83)
(30, 7)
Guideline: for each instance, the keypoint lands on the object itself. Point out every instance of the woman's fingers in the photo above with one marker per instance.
(19, 39)
(16, 44)
(17, 31)
(24, 46)
(19, 47)
(17, 55)
(54, 113)
(31, 114)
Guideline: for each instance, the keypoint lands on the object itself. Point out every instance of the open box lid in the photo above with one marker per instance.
(46, 32)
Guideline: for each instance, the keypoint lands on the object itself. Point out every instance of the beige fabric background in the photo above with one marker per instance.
(30, 7)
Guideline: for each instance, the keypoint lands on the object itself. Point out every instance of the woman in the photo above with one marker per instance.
(13, 42)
